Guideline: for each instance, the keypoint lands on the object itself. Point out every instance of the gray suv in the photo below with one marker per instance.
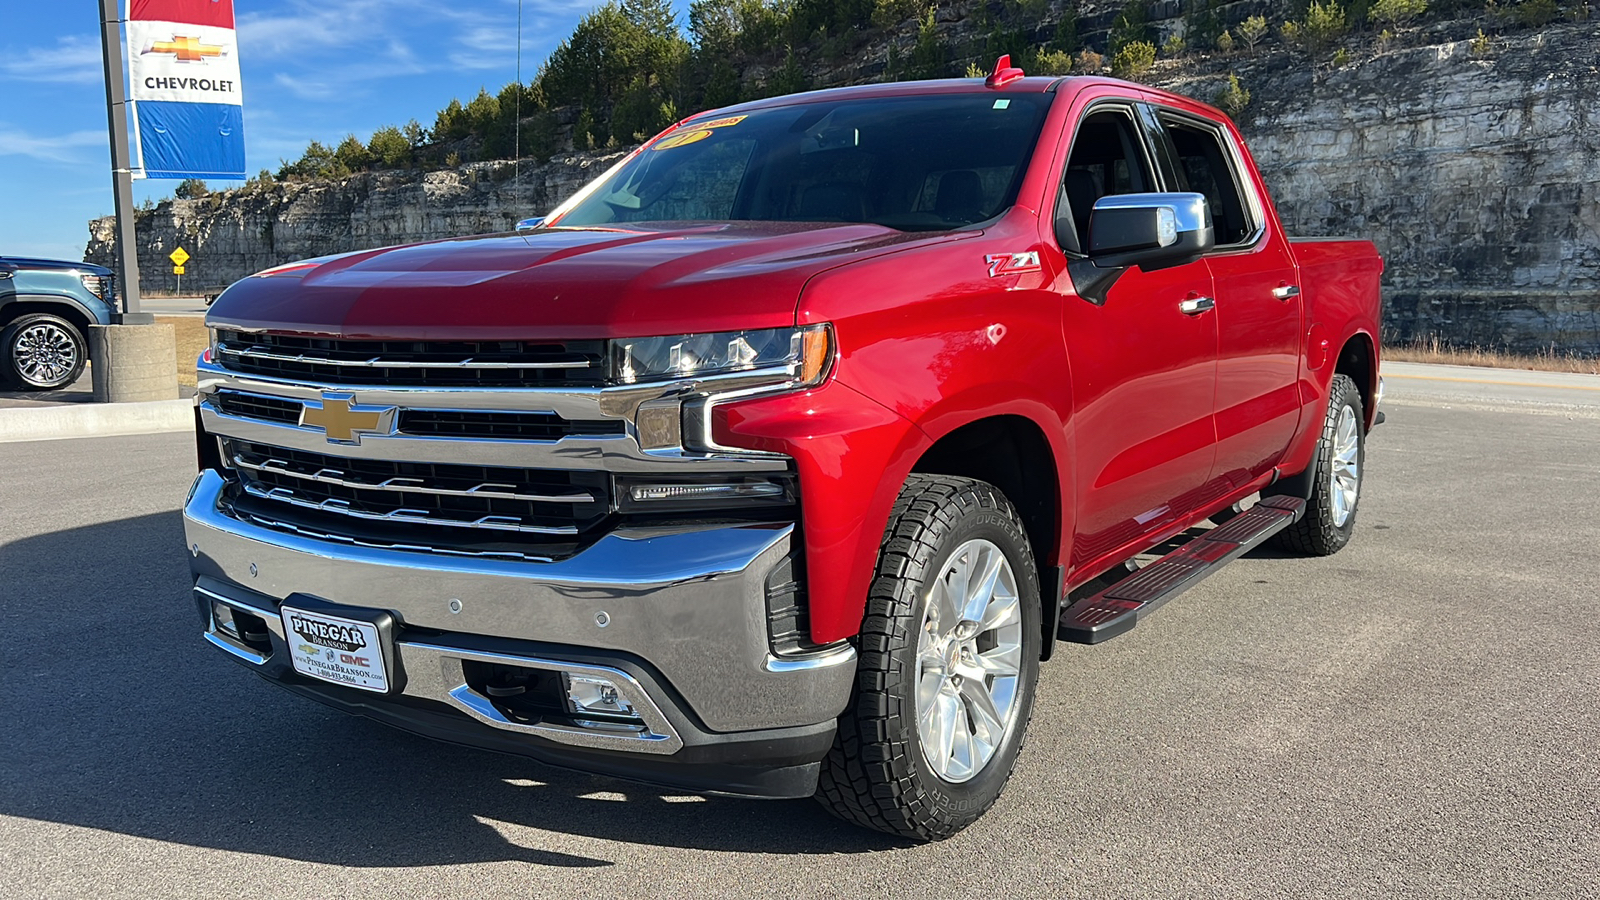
(46, 308)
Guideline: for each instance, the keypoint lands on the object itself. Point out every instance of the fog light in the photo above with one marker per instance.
(222, 618)
(588, 694)
(243, 626)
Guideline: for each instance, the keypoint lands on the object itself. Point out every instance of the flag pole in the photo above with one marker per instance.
(127, 250)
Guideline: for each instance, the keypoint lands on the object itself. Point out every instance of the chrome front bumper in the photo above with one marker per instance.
(685, 604)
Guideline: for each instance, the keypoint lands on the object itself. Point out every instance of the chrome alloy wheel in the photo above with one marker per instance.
(44, 353)
(969, 661)
(1344, 476)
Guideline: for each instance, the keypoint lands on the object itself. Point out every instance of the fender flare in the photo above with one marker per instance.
(72, 303)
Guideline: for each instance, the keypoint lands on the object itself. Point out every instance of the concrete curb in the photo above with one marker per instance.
(95, 420)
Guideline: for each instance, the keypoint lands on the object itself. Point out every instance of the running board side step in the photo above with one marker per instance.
(1117, 609)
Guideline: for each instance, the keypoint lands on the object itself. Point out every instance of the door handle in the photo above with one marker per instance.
(1285, 291)
(1194, 306)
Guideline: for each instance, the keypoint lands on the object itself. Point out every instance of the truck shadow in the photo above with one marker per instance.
(118, 717)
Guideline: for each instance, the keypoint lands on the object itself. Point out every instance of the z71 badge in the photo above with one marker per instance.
(1012, 263)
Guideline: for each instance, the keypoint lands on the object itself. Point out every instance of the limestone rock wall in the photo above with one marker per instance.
(1477, 176)
(232, 234)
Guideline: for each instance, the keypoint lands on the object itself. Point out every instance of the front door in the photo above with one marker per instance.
(1143, 370)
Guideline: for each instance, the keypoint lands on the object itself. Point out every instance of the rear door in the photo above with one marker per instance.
(1143, 371)
(1258, 307)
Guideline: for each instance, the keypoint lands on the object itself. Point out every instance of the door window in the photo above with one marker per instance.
(1107, 158)
(1206, 167)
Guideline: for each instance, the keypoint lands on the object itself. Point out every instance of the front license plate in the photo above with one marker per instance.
(333, 648)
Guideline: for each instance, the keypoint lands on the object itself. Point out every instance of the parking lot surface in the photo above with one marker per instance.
(1414, 717)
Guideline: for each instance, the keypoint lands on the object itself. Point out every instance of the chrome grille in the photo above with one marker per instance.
(257, 406)
(278, 523)
(536, 426)
(414, 363)
(416, 503)
(526, 426)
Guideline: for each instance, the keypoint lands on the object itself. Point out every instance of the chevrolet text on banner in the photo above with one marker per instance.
(183, 72)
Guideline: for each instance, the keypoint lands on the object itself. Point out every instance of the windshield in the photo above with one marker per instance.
(925, 163)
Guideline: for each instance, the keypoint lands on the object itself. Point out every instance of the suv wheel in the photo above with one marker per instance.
(41, 352)
(949, 658)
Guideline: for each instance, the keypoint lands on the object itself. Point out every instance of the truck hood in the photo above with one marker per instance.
(560, 283)
(58, 265)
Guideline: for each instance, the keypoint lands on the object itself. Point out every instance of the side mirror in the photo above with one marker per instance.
(1151, 231)
(532, 224)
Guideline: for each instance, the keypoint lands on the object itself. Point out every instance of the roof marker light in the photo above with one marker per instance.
(1004, 73)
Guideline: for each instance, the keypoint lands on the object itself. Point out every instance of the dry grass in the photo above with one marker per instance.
(189, 337)
(1436, 351)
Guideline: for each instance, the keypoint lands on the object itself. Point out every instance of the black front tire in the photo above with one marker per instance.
(41, 352)
(877, 774)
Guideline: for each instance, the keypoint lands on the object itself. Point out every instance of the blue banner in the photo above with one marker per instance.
(191, 140)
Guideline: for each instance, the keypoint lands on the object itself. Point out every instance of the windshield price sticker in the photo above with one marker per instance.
(332, 648)
(719, 123)
(682, 138)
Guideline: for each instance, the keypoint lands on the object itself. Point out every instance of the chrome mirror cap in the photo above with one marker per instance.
(1151, 231)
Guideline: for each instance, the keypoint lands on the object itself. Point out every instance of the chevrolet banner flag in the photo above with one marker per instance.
(183, 73)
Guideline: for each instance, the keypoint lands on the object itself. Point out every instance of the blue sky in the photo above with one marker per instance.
(310, 70)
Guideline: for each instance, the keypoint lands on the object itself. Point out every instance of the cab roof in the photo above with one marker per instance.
(1039, 84)
(1033, 84)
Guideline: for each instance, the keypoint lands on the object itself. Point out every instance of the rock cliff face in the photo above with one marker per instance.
(1474, 174)
(232, 234)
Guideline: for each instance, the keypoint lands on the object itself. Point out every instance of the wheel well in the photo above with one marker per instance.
(1011, 453)
(14, 311)
(1356, 360)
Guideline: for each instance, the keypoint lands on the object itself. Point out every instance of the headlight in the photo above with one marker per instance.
(98, 285)
(801, 355)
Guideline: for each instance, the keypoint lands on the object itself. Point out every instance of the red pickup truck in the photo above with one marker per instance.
(775, 461)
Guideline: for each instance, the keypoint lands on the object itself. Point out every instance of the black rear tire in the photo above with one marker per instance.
(41, 352)
(1320, 532)
(877, 774)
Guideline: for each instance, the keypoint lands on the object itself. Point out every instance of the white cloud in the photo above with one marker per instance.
(305, 26)
(63, 148)
(74, 59)
(307, 88)
(491, 38)
(389, 37)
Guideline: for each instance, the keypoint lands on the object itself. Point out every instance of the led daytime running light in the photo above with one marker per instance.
(646, 492)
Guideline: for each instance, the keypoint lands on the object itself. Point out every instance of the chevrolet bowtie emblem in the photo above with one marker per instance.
(186, 49)
(344, 421)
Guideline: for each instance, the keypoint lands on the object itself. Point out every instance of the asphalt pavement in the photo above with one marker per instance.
(1414, 717)
(174, 306)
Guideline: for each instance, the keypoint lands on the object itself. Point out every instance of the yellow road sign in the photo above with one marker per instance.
(179, 256)
(177, 270)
